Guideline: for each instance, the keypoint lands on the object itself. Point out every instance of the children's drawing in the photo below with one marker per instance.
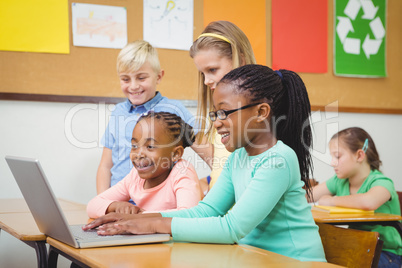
(169, 23)
(99, 26)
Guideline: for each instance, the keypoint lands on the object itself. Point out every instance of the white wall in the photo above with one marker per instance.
(384, 129)
(65, 138)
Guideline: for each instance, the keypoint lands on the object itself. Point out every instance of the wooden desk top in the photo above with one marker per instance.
(23, 226)
(325, 217)
(173, 254)
(17, 205)
(17, 220)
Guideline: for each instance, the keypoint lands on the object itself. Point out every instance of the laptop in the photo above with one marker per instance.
(50, 218)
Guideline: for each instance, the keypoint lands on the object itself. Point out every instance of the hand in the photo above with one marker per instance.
(124, 207)
(326, 200)
(147, 225)
(109, 218)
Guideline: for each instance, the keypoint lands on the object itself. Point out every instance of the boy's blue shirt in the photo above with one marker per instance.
(122, 120)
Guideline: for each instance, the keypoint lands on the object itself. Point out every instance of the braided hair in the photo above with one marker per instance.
(287, 96)
(181, 132)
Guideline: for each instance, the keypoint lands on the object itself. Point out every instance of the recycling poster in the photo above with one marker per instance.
(359, 38)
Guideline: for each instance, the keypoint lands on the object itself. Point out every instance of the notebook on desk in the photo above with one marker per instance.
(50, 218)
(343, 210)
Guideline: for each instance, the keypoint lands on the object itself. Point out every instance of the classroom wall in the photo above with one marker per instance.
(65, 137)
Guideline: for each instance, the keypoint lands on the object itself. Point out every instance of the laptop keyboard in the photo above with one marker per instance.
(80, 234)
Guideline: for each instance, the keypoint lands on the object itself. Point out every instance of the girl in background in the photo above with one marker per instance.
(358, 183)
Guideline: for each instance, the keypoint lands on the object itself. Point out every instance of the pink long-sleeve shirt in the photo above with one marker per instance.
(180, 190)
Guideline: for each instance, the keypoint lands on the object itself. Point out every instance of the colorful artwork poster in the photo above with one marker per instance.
(34, 26)
(300, 35)
(359, 38)
(169, 24)
(99, 26)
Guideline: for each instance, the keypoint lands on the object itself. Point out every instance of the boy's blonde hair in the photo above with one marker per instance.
(238, 49)
(135, 54)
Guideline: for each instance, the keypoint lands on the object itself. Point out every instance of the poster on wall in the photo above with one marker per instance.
(169, 24)
(234, 11)
(299, 35)
(99, 26)
(359, 38)
(30, 26)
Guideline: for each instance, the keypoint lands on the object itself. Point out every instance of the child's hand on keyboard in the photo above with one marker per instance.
(123, 207)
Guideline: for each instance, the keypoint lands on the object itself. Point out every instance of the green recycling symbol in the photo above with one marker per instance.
(345, 26)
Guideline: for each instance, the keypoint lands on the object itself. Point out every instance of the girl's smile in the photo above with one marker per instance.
(143, 165)
(225, 137)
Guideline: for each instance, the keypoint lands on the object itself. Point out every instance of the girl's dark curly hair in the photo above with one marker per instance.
(181, 132)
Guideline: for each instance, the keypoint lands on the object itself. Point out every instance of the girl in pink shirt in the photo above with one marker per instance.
(160, 179)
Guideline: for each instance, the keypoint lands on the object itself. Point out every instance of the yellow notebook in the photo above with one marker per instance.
(331, 209)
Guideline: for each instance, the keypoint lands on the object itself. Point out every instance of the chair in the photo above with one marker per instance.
(400, 200)
(350, 248)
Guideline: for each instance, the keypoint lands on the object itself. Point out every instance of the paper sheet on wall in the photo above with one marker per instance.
(169, 24)
(99, 26)
(34, 26)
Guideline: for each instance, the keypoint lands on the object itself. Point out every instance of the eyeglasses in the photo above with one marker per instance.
(222, 114)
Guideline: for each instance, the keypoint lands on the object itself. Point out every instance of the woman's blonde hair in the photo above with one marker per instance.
(238, 49)
(135, 54)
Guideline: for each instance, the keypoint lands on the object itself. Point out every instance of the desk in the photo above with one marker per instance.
(348, 218)
(21, 224)
(16, 205)
(174, 254)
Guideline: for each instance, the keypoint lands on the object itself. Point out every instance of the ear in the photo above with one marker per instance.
(177, 153)
(360, 155)
(264, 112)
(160, 76)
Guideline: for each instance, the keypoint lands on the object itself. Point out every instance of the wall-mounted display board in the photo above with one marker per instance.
(352, 94)
(89, 74)
(90, 71)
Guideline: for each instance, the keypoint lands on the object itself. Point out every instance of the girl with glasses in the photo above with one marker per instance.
(263, 119)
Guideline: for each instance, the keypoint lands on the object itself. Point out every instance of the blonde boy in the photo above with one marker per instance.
(139, 74)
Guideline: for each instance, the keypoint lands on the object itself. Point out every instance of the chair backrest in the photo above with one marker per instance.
(400, 199)
(350, 248)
